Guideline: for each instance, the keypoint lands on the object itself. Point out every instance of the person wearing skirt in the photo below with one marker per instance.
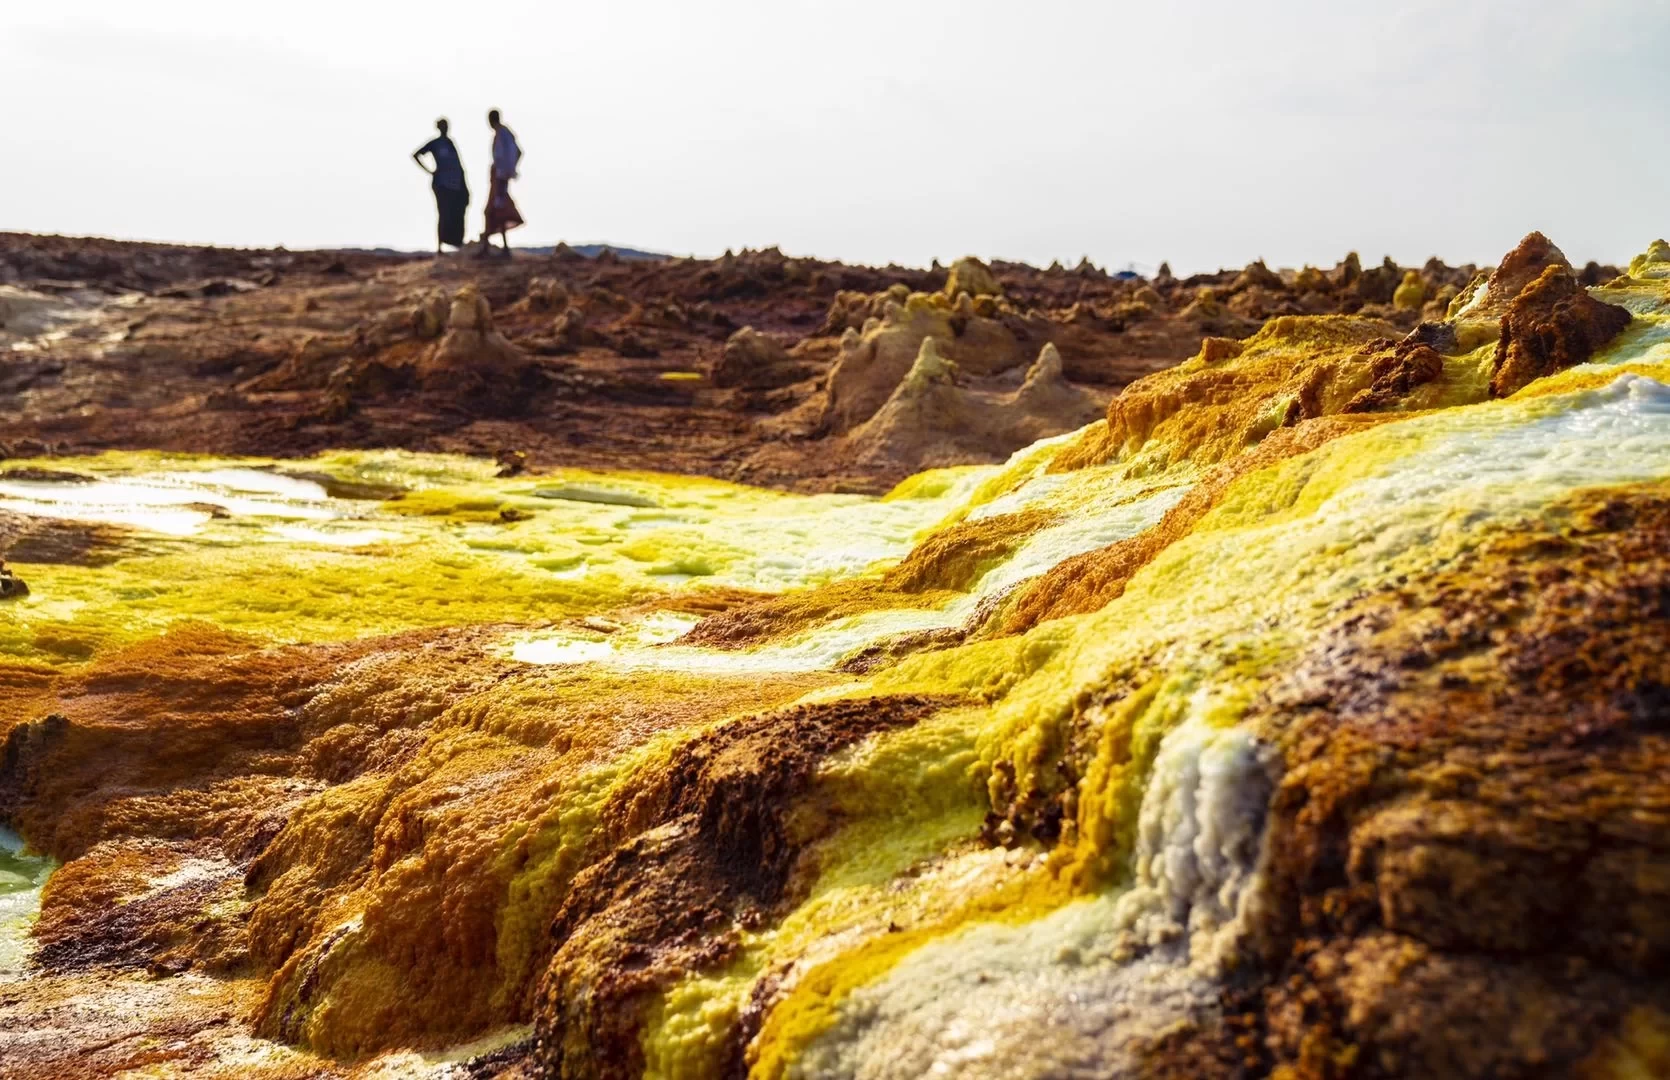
(502, 215)
(452, 195)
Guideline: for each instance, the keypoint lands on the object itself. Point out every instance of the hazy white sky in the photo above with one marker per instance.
(1206, 132)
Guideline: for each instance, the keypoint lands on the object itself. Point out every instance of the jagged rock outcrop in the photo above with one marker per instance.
(1233, 394)
(1526, 263)
(1210, 315)
(429, 315)
(1379, 284)
(1345, 274)
(569, 332)
(1652, 264)
(1310, 280)
(1552, 324)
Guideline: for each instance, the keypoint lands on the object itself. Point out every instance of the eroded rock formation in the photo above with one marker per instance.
(932, 419)
(472, 358)
(1552, 324)
(604, 363)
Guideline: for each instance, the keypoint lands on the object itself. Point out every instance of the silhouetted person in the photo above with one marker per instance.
(502, 215)
(452, 195)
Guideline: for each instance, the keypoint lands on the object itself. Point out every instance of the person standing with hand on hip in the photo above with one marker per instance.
(452, 195)
(502, 215)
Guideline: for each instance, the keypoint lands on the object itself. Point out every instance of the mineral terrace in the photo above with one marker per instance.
(607, 668)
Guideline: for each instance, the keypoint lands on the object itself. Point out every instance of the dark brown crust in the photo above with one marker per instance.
(1552, 325)
(696, 851)
(1468, 847)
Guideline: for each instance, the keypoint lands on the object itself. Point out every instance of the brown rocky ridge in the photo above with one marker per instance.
(756, 366)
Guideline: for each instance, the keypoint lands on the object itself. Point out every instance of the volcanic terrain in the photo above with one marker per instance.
(591, 667)
(756, 367)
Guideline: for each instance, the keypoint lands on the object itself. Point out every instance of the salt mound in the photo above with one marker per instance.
(930, 420)
(872, 363)
(472, 359)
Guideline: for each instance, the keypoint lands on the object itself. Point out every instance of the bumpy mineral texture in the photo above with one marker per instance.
(739, 367)
(1303, 712)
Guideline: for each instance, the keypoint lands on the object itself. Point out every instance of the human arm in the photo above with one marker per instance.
(417, 156)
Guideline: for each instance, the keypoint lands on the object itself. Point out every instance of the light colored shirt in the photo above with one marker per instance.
(506, 153)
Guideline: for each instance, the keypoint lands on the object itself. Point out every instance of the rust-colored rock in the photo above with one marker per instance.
(1423, 912)
(1527, 262)
(1551, 324)
(473, 359)
(1396, 370)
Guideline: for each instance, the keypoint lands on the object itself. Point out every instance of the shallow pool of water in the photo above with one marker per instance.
(21, 878)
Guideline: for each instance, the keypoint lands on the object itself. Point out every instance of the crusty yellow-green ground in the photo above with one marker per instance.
(1351, 758)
